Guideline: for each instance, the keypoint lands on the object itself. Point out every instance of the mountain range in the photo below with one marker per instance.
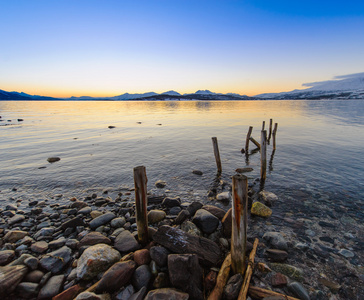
(341, 87)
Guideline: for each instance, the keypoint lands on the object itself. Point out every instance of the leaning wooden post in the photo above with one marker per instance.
(274, 135)
(249, 271)
(263, 125)
(248, 139)
(239, 223)
(263, 156)
(217, 154)
(140, 183)
(270, 129)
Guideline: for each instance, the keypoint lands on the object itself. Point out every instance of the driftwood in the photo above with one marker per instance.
(248, 273)
(259, 293)
(221, 280)
(181, 242)
(255, 142)
(217, 154)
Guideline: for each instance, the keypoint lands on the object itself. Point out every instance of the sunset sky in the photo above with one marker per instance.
(105, 48)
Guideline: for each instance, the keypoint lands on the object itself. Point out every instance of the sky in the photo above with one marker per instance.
(64, 48)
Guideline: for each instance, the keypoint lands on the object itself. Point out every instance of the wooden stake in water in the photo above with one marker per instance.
(263, 125)
(274, 135)
(217, 154)
(263, 156)
(247, 139)
(140, 183)
(270, 129)
(239, 223)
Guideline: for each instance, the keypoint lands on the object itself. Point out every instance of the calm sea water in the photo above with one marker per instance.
(320, 146)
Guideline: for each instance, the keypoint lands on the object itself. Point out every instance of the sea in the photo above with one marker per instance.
(319, 156)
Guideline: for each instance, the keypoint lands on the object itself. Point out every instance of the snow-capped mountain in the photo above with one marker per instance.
(342, 87)
(128, 96)
(171, 93)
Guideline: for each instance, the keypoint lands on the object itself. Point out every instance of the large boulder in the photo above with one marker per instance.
(96, 259)
(10, 277)
(206, 221)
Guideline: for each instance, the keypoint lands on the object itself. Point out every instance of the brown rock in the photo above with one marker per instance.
(78, 204)
(227, 223)
(279, 279)
(210, 281)
(276, 255)
(70, 293)
(6, 256)
(185, 273)
(10, 278)
(216, 211)
(34, 276)
(14, 235)
(39, 247)
(94, 238)
(142, 257)
(116, 276)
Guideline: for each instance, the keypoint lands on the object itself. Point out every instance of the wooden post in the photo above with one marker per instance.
(270, 129)
(239, 223)
(274, 135)
(140, 183)
(247, 139)
(255, 142)
(263, 125)
(263, 156)
(217, 154)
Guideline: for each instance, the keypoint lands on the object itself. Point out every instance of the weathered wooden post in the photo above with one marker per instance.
(263, 156)
(270, 129)
(217, 154)
(274, 135)
(239, 223)
(248, 139)
(263, 125)
(140, 183)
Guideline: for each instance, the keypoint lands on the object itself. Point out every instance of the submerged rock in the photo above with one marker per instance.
(53, 159)
(259, 209)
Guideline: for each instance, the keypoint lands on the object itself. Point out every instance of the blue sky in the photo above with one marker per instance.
(106, 48)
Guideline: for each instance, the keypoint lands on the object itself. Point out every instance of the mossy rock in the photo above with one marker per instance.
(259, 209)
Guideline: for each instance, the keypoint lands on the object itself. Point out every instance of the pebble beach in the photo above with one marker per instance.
(86, 247)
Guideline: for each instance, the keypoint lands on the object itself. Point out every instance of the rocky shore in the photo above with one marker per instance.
(87, 248)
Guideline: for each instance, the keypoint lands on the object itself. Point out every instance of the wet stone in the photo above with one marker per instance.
(232, 288)
(125, 293)
(276, 255)
(159, 255)
(206, 221)
(51, 288)
(298, 290)
(276, 240)
(55, 261)
(160, 184)
(141, 277)
(278, 280)
(171, 202)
